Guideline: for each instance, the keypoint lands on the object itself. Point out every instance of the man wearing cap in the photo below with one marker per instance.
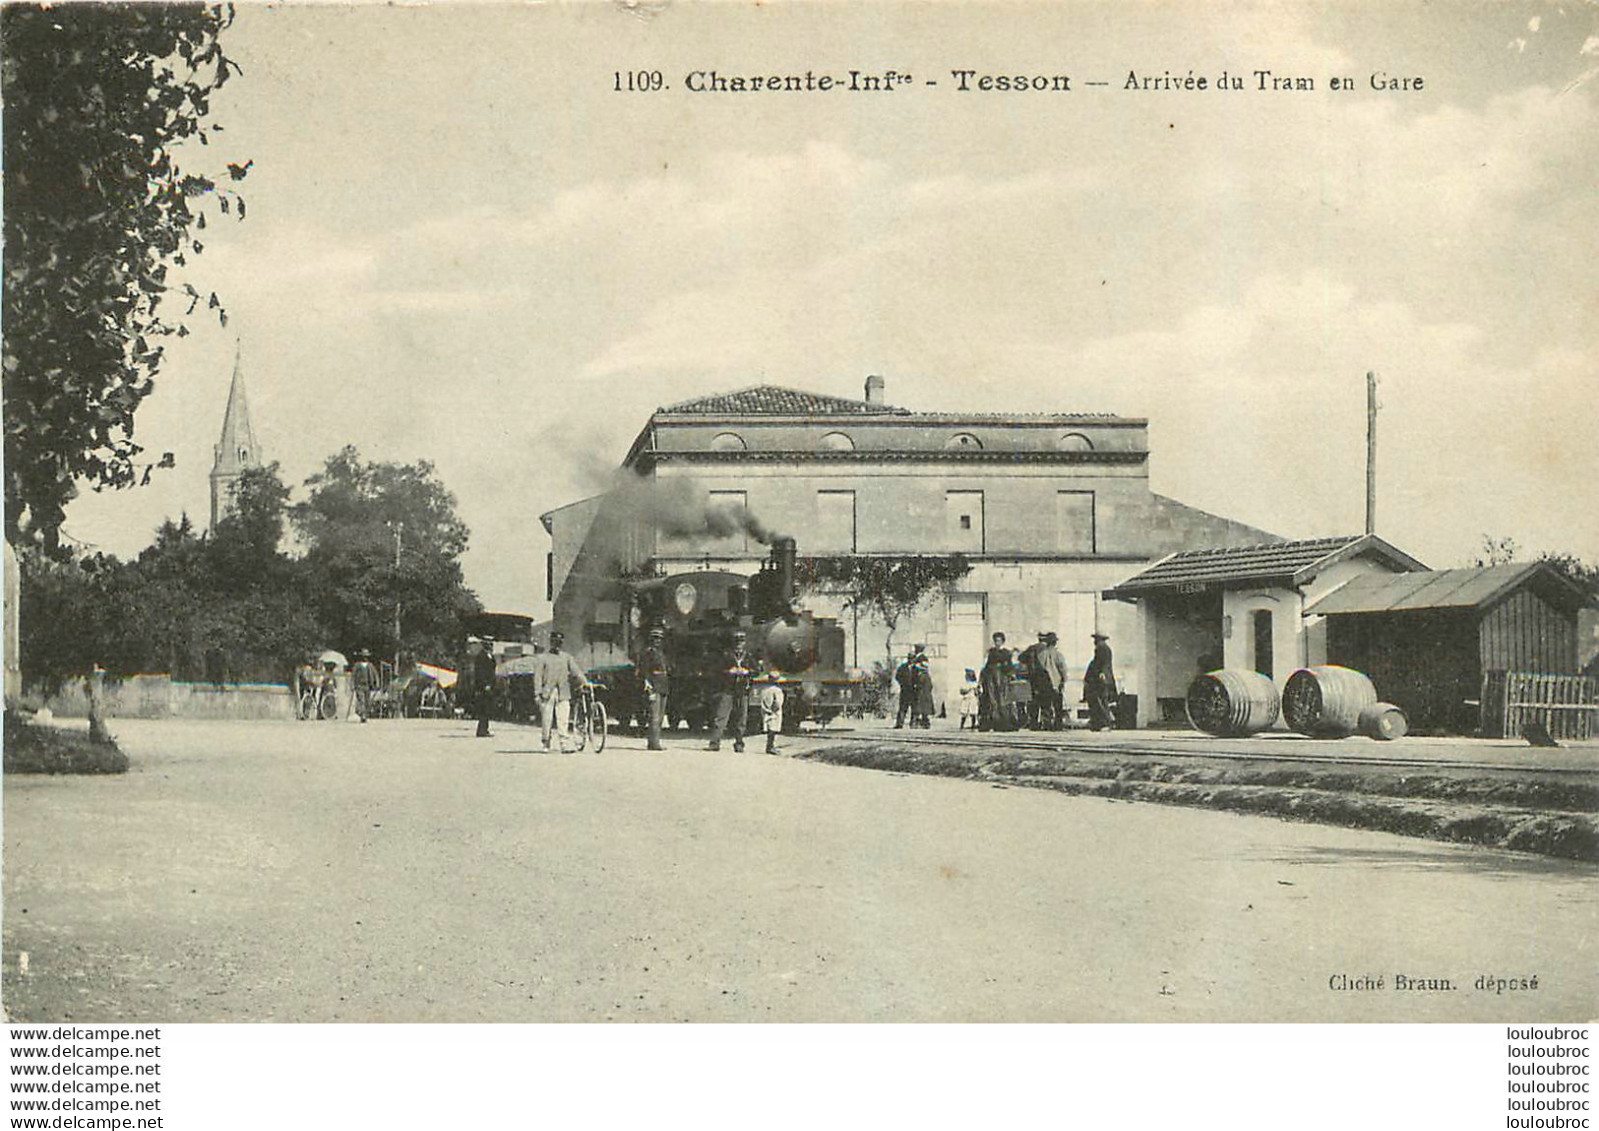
(1048, 675)
(363, 680)
(1099, 686)
(555, 674)
(480, 683)
(733, 692)
(654, 683)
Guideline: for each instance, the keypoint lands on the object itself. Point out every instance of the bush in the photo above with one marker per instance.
(31, 749)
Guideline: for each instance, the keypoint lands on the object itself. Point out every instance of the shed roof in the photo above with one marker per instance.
(1291, 563)
(1473, 588)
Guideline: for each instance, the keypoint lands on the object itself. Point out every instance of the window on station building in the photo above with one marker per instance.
(964, 441)
(1075, 442)
(727, 518)
(836, 442)
(728, 442)
(963, 520)
(835, 522)
(1074, 522)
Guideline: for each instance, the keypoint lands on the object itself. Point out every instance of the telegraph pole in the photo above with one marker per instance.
(399, 529)
(1371, 453)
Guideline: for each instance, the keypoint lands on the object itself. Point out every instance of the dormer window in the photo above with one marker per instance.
(964, 442)
(728, 442)
(836, 442)
(1075, 442)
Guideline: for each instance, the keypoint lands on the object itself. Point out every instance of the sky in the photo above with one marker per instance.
(464, 245)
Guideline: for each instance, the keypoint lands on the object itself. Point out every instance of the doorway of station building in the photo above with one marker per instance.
(1078, 621)
(968, 645)
(1260, 622)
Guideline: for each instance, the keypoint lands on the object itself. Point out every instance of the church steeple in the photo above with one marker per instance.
(237, 449)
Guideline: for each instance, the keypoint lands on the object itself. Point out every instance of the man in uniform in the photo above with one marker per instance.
(1099, 686)
(480, 682)
(733, 692)
(363, 680)
(655, 683)
(555, 674)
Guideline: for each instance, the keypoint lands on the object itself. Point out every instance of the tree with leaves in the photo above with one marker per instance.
(105, 117)
(1500, 551)
(893, 587)
(244, 547)
(383, 539)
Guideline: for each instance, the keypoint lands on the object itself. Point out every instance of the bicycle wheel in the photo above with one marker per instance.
(328, 706)
(307, 706)
(598, 723)
(579, 722)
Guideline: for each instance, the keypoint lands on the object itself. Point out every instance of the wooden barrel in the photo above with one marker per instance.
(1384, 722)
(1232, 702)
(1326, 702)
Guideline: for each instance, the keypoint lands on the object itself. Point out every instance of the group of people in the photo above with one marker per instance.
(915, 680)
(738, 679)
(557, 676)
(1025, 688)
(319, 676)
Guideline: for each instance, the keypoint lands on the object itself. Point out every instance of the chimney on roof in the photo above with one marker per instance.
(874, 389)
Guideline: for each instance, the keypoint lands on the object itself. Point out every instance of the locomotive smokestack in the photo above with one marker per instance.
(784, 556)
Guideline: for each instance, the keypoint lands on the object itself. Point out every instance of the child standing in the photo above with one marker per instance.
(770, 699)
(970, 693)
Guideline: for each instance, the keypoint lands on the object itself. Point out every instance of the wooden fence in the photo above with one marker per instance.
(1567, 705)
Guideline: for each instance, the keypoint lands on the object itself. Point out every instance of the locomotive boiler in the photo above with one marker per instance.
(699, 611)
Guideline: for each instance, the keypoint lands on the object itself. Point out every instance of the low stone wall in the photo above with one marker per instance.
(159, 697)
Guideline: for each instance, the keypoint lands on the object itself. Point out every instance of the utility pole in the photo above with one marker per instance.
(399, 529)
(1371, 453)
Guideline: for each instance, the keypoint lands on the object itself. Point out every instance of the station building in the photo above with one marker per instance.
(1051, 510)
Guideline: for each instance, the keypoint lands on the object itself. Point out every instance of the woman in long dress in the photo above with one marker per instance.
(997, 711)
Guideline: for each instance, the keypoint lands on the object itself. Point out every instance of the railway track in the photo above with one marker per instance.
(1068, 746)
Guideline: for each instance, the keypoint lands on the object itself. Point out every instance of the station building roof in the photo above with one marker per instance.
(1284, 563)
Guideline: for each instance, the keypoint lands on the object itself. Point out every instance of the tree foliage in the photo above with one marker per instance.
(1500, 551)
(232, 606)
(105, 108)
(892, 586)
(382, 536)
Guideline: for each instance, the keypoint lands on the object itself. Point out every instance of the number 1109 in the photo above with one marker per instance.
(639, 80)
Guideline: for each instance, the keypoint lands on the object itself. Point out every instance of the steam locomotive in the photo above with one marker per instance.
(699, 611)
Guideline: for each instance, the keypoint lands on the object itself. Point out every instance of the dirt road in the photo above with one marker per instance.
(403, 871)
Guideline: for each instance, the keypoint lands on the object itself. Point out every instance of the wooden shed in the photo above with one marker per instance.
(1444, 644)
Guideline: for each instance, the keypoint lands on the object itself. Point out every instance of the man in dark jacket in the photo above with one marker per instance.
(905, 679)
(654, 683)
(1099, 686)
(733, 675)
(480, 680)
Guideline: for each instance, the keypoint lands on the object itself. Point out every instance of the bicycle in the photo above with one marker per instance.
(318, 702)
(589, 719)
